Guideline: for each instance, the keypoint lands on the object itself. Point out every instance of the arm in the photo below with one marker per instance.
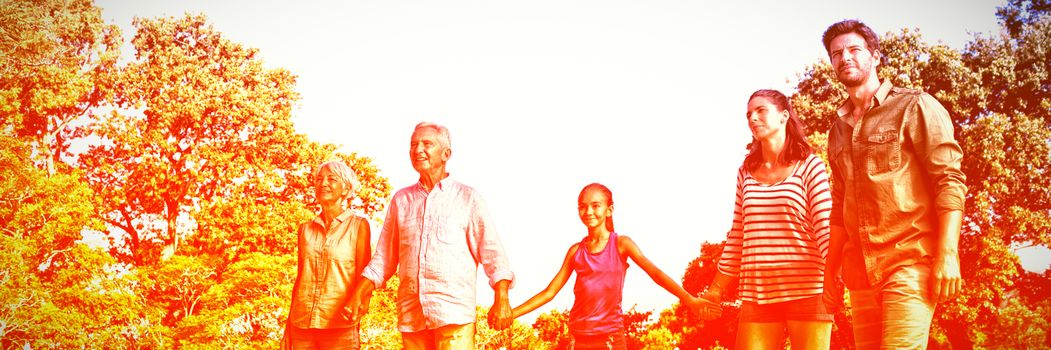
(833, 294)
(946, 281)
(552, 289)
(362, 255)
(500, 314)
(933, 139)
(715, 290)
(488, 251)
(628, 247)
(285, 342)
(830, 239)
(380, 266)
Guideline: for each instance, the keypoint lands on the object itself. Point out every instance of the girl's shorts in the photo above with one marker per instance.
(608, 341)
(806, 309)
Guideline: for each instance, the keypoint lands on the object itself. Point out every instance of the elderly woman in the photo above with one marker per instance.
(333, 249)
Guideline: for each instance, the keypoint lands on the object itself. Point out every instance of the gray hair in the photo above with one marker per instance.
(443, 133)
(344, 172)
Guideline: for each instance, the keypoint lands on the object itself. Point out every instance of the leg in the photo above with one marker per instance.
(907, 308)
(422, 340)
(866, 308)
(454, 337)
(810, 335)
(760, 335)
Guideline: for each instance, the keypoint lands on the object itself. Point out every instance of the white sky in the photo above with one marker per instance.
(543, 97)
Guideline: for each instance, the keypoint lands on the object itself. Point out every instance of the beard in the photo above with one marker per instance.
(853, 79)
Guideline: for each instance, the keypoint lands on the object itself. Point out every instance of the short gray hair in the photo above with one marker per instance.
(443, 133)
(344, 172)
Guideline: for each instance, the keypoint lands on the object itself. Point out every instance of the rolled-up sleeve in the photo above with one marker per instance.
(941, 153)
(485, 244)
(385, 258)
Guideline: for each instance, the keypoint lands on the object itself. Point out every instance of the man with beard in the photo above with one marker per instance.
(897, 198)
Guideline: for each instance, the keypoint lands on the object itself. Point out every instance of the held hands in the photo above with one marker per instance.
(708, 309)
(833, 296)
(499, 317)
(946, 282)
(357, 304)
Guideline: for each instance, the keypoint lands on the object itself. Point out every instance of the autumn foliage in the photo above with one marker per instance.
(150, 202)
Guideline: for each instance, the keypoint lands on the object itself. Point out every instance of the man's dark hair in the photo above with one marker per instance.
(851, 26)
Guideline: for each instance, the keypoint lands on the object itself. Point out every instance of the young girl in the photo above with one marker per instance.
(779, 238)
(600, 261)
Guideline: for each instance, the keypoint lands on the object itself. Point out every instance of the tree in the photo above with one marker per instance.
(202, 119)
(552, 328)
(212, 118)
(51, 279)
(55, 59)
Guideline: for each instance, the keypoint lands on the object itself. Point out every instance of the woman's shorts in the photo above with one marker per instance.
(806, 309)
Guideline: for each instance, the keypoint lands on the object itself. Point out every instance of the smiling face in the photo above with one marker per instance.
(765, 119)
(427, 151)
(850, 56)
(329, 187)
(593, 207)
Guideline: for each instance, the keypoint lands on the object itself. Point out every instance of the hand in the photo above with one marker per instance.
(945, 281)
(708, 308)
(833, 296)
(357, 305)
(500, 314)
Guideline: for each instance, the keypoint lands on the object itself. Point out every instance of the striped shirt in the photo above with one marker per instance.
(779, 239)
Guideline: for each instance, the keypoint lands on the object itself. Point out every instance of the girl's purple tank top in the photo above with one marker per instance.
(598, 290)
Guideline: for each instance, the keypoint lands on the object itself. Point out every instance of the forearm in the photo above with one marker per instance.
(949, 233)
(533, 303)
(662, 279)
(500, 290)
(837, 239)
(719, 284)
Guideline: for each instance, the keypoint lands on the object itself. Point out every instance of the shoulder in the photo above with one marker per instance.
(912, 96)
(362, 221)
(625, 242)
(404, 191)
(462, 188)
(573, 249)
(897, 90)
(813, 162)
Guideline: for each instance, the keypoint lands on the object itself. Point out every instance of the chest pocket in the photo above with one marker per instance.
(452, 228)
(882, 152)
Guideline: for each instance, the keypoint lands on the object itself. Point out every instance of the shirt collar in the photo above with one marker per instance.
(881, 95)
(339, 218)
(438, 186)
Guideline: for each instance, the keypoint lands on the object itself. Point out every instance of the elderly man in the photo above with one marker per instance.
(438, 231)
(897, 198)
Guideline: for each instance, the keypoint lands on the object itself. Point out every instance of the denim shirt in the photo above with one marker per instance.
(894, 170)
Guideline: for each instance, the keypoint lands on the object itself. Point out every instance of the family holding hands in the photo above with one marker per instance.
(888, 223)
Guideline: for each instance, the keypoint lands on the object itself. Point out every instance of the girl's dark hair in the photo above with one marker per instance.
(796, 145)
(609, 200)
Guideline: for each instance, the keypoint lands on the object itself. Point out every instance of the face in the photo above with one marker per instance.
(765, 119)
(329, 187)
(594, 208)
(852, 60)
(426, 151)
